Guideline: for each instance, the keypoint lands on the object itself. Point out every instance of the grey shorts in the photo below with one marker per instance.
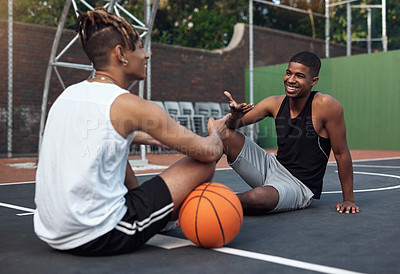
(259, 168)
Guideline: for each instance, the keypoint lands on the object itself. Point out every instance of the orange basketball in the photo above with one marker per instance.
(211, 216)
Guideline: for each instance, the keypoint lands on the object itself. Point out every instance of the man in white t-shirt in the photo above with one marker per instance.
(88, 199)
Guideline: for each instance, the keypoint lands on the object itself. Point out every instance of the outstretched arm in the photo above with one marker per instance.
(336, 129)
(245, 114)
(131, 113)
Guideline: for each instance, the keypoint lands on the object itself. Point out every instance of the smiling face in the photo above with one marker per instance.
(298, 80)
(137, 61)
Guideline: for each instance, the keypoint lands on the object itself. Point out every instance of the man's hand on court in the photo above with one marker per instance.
(347, 207)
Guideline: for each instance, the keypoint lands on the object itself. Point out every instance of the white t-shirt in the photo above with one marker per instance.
(81, 171)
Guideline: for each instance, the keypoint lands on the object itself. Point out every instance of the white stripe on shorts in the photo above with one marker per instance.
(138, 226)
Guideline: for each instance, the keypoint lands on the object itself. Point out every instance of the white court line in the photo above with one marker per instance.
(376, 159)
(168, 242)
(228, 168)
(29, 210)
(137, 175)
(283, 261)
(175, 243)
(367, 160)
(18, 183)
(26, 214)
(371, 166)
(369, 189)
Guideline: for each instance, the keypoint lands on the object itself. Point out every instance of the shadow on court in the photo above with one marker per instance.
(317, 239)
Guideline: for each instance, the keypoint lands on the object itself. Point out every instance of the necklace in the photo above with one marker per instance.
(105, 79)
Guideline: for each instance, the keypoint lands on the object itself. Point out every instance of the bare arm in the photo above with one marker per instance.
(131, 113)
(144, 138)
(336, 128)
(243, 114)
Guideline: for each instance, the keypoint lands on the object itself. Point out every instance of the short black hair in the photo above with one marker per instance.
(308, 59)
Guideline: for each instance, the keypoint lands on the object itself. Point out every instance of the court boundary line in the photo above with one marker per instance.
(175, 242)
(368, 189)
(367, 160)
(17, 183)
(284, 261)
(21, 208)
(229, 168)
(374, 166)
(30, 211)
(378, 159)
(137, 175)
(250, 254)
(169, 242)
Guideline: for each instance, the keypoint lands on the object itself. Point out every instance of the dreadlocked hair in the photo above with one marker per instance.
(100, 31)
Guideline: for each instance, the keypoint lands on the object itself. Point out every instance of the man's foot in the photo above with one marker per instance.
(220, 125)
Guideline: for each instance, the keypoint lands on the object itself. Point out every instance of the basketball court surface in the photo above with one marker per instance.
(314, 240)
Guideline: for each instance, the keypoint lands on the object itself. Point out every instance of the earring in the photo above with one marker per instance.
(125, 62)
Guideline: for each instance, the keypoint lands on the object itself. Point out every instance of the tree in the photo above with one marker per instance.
(393, 17)
(202, 23)
(359, 24)
(40, 12)
(208, 24)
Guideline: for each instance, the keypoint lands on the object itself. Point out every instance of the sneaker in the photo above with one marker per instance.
(171, 225)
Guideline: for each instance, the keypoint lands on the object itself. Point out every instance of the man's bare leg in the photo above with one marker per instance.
(182, 177)
(259, 200)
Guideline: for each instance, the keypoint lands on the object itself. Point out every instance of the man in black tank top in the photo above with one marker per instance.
(308, 125)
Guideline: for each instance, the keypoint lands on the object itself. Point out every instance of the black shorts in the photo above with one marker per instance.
(149, 209)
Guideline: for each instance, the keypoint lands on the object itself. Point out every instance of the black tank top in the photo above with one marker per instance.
(300, 149)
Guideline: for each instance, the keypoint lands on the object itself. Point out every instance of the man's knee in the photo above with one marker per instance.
(233, 143)
(266, 197)
(259, 200)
